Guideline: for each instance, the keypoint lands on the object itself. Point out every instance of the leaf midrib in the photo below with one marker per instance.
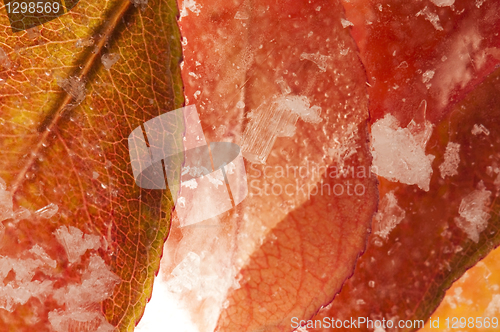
(89, 61)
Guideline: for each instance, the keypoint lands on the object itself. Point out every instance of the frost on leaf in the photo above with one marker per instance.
(34, 273)
(96, 285)
(399, 153)
(109, 59)
(479, 129)
(431, 17)
(191, 5)
(75, 242)
(388, 216)
(320, 60)
(451, 160)
(474, 212)
(273, 119)
(443, 3)
(75, 87)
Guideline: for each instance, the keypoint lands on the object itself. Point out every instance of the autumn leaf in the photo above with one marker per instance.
(443, 231)
(71, 92)
(288, 247)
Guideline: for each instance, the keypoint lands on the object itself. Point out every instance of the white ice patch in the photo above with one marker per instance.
(399, 153)
(474, 212)
(431, 17)
(464, 57)
(389, 215)
(80, 300)
(345, 23)
(443, 3)
(479, 129)
(75, 242)
(272, 119)
(190, 5)
(427, 76)
(320, 60)
(47, 212)
(493, 308)
(451, 160)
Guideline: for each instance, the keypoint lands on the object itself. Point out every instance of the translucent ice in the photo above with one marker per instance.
(443, 3)
(75, 87)
(75, 243)
(388, 216)
(272, 119)
(346, 23)
(320, 60)
(474, 212)
(479, 129)
(47, 212)
(6, 206)
(431, 17)
(451, 160)
(109, 59)
(493, 308)
(399, 153)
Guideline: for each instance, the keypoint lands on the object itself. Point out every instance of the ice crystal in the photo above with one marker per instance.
(451, 160)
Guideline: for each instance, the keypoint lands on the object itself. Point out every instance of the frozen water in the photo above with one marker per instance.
(190, 5)
(320, 60)
(479, 129)
(97, 284)
(75, 243)
(47, 212)
(399, 153)
(4, 59)
(474, 212)
(451, 160)
(272, 119)
(388, 216)
(431, 17)
(6, 205)
(346, 23)
(443, 3)
(109, 59)
(427, 76)
(493, 308)
(40, 253)
(75, 87)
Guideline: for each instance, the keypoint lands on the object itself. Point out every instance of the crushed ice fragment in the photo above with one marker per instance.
(47, 212)
(427, 76)
(75, 87)
(443, 3)
(320, 60)
(346, 23)
(6, 205)
(388, 216)
(75, 242)
(479, 129)
(4, 59)
(474, 212)
(431, 17)
(109, 59)
(399, 153)
(451, 160)
(241, 15)
(272, 119)
(192, 6)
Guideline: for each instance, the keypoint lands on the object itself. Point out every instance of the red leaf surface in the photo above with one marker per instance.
(405, 277)
(416, 51)
(290, 248)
